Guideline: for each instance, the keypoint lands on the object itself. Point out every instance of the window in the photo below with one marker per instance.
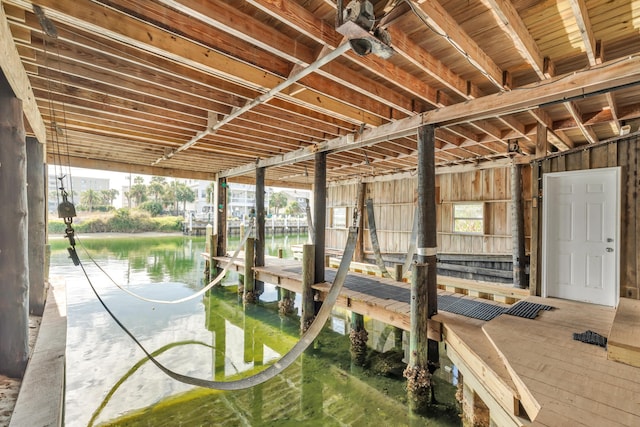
(339, 218)
(468, 218)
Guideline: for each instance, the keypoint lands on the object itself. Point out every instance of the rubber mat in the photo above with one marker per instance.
(526, 309)
(452, 304)
(591, 337)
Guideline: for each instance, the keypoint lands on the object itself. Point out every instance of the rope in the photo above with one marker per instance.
(211, 284)
(273, 370)
(374, 239)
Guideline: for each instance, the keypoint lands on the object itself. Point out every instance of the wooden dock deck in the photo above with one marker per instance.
(527, 372)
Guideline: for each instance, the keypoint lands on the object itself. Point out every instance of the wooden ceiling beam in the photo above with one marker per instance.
(302, 20)
(605, 77)
(581, 14)
(122, 28)
(437, 18)
(510, 22)
(14, 71)
(555, 137)
(588, 133)
(229, 19)
(112, 166)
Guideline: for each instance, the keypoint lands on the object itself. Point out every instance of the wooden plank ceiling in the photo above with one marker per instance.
(135, 84)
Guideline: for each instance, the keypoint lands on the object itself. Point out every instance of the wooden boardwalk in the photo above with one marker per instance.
(528, 372)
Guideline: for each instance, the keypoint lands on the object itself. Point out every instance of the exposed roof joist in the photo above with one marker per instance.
(606, 77)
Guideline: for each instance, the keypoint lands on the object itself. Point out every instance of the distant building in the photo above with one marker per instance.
(241, 198)
(74, 187)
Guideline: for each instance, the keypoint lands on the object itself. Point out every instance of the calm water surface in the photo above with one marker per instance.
(110, 381)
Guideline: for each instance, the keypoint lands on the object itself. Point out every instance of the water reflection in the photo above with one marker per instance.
(110, 383)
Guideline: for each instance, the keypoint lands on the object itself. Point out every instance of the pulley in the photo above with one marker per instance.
(360, 12)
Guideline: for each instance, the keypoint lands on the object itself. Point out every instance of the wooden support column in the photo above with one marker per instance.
(308, 305)
(208, 265)
(221, 203)
(14, 264)
(37, 225)
(517, 227)
(249, 295)
(427, 237)
(358, 336)
(424, 353)
(535, 263)
(319, 213)
(213, 271)
(360, 196)
(260, 218)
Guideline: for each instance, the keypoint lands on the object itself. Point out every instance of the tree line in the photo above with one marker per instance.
(158, 197)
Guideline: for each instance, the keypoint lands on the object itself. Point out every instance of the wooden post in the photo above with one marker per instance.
(360, 196)
(280, 253)
(14, 264)
(320, 213)
(37, 225)
(222, 216)
(358, 337)
(424, 302)
(208, 230)
(417, 373)
(260, 218)
(427, 233)
(517, 227)
(535, 269)
(213, 271)
(249, 294)
(308, 304)
(398, 273)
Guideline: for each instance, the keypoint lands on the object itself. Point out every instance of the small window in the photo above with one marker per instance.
(339, 218)
(468, 218)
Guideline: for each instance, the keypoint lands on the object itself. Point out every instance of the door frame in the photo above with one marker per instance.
(547, 210)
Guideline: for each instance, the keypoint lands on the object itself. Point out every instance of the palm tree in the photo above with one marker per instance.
(138, 191)
(184, 194)
(108, 196)
(278, 200)
(90, 198)
(156, 187)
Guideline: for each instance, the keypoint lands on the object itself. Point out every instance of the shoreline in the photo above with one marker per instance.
(115, 235)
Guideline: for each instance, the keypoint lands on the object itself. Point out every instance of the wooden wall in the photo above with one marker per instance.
(394, 202)
(624, 153)
(394, 207)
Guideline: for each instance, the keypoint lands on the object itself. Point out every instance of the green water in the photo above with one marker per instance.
(110, 381)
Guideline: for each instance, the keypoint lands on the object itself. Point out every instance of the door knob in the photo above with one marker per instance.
(609, 249)
(609, 239)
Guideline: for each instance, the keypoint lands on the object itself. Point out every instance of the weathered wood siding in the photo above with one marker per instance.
(394, 207)
(623, 153)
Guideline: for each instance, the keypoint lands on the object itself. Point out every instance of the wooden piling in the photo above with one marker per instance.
(358, 337)
(213, 271)
(360, 197)
(398, 273)
(208, 230)
(14, 268)
(308, 304)
(37, 225)
(320, 213)
(260, 225)
(517, 227)
(424, 353)
(249, 295)
(417, 373)
(221, 214)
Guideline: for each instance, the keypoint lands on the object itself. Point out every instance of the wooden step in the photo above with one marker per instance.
(624, 338)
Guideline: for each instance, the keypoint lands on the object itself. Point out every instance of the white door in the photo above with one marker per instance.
(580, 235)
